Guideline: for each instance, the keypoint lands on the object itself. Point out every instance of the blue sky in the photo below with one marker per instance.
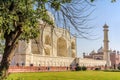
(105, 12)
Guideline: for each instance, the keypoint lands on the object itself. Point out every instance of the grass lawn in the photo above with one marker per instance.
(80, 75)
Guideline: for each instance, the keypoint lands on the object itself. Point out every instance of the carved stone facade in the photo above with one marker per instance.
(54, 47)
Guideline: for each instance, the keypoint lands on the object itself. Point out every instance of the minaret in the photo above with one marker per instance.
(106, 46)
(84, 55)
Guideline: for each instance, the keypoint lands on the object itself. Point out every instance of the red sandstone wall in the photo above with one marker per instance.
(36, 69)
(115, 59)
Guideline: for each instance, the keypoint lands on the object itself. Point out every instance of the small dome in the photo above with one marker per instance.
(100, 50)
(92, 52)
(40, 21)
(51, 16)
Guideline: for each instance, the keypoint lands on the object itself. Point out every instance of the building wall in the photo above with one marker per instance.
(90, 62)
(38, 60)
(54, 41)
(54, 48)
(115, 59)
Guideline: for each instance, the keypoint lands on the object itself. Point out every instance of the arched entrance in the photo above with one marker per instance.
(47, 40)
(73, 45)
(73, 54)
(47, 51)
(62, 47)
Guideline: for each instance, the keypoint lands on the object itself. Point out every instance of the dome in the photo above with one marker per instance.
(100, 50)
(40, 21)
(105, 26)
(51, 16)
(92, 52)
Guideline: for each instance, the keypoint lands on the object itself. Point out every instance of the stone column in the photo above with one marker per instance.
(106, 46)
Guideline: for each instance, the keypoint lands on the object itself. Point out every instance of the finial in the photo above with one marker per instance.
(105, 26)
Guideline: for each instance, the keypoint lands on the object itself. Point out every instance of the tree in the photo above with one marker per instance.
(74, 16)
(19, 19)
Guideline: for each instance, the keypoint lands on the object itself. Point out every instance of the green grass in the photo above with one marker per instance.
(82, 75)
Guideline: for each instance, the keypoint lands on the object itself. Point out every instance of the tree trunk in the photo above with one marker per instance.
(10, 44)
(5, 63)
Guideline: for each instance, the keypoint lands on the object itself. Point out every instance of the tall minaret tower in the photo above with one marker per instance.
(106, 46)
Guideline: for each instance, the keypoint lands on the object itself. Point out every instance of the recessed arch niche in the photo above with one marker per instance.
(73, 45)
(62, 47)
(47, 40)
(47, 51)
(73, 54)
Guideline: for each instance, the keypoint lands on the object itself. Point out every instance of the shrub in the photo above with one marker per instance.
(84, 68)
(78, 68)
(97, 69)
(118, 67)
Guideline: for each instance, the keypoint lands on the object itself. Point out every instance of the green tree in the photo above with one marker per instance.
(19, 19)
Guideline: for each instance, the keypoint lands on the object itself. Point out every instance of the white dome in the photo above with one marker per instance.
(51, 16)
(100, 50)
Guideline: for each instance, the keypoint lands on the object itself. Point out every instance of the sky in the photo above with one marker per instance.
(105, 13)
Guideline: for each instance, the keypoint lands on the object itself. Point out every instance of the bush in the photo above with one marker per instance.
(118, 67)
(84, 68)
(97, 69)
(78, 68)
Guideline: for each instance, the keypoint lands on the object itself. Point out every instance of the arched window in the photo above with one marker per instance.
(35, 46)
(73, 45)
(73, 55)
(61, 47)
(47, 51)
(47, 40)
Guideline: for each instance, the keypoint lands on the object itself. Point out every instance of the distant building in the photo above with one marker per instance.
(89, 62)
(103, 53)
(95, 55)
(115, 58)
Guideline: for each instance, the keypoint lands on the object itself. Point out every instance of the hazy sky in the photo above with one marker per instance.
(105, 12)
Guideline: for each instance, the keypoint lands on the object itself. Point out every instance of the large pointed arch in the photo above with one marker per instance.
(73, 54)
(72, 45)
(62, 47)
(47, 40)
(47, 51)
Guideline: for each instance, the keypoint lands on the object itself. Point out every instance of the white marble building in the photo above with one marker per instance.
(54, 47)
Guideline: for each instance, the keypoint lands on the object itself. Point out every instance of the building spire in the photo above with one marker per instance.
(105, 26)
(106, 45)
